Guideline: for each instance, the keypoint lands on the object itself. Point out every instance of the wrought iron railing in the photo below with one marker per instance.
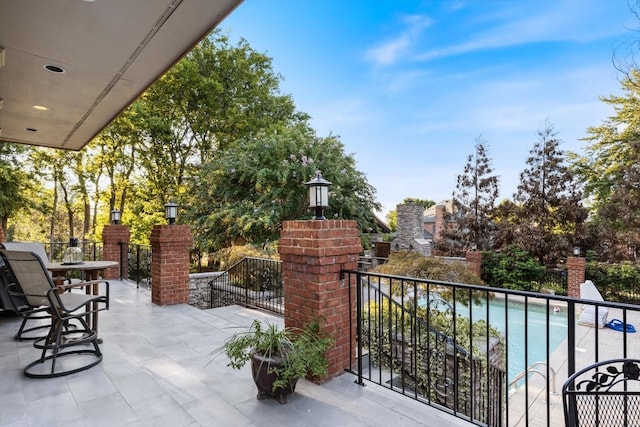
(460, 347)
(91, 251)
(138, 259)
(252, 282)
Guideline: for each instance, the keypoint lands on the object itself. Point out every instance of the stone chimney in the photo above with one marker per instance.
(439, 222)
(410, 234)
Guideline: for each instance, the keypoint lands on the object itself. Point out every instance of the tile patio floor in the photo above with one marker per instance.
(155, 373)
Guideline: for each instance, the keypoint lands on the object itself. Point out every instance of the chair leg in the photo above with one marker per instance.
(21, 335)
(60, 342)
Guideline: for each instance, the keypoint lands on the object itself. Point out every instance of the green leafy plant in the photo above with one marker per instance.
(302, 351)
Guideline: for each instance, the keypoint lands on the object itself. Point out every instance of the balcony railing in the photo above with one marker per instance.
(487, 355)
(252, 282)
(92, 251)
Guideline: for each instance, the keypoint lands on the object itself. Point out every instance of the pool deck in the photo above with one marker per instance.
(610, 345)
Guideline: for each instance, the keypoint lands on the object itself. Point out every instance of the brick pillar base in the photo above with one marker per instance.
(576, 267)
(115, 241)
(312, 254)
(170, 247)
(474, 262)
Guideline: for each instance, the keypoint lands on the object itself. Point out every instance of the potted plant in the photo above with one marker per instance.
(279, 356)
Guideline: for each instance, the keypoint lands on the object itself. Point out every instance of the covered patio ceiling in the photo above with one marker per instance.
(69, 67)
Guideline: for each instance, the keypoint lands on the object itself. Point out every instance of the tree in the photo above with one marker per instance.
(610, 170)
(469, 226)
(392, 220)
(425, 203)
(14, 182)
(550, 215)
(250, 188)
(218, 94)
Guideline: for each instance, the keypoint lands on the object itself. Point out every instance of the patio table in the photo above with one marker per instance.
(91, 271)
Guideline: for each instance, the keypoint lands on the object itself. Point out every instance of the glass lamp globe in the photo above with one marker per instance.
(73, 254)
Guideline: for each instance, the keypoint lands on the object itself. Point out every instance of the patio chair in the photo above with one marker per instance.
(78, 346)
(19, 305)
(604, 394)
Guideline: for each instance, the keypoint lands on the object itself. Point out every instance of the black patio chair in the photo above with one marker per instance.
(38, 318)
(35, 285)
(604, 394)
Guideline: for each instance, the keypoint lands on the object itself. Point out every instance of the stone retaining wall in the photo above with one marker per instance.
(199, 292)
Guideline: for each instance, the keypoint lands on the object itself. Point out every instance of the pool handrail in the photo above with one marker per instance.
(532, 369)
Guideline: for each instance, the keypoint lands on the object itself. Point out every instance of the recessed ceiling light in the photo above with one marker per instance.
(40, 107)
(54, 68)
(32, 129)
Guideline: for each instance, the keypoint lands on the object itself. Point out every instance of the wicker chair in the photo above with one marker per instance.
(78, 345)
(604, 394)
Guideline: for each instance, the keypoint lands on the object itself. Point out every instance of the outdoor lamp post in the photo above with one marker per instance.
(318, 194)
(115, 216)
(171, 212)
(576, 251)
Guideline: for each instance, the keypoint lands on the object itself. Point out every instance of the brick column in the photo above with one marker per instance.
(312, 254)
(576, 267)
(115, 241)
(170, 247)
(474, 262)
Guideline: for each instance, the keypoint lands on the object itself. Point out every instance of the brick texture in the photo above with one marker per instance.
(474, 262)
(575, 275)
(115, 240)
(170, 246)
(312, 254)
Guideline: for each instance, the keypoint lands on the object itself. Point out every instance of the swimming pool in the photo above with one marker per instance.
(535, 334)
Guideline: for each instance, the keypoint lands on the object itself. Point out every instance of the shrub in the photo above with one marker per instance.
(412, 264)
(616, 282)
(225, 258)
(514, 269)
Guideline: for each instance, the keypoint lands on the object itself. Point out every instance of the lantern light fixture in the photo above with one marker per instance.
(318, 194)
(115, 216)
(171, 212)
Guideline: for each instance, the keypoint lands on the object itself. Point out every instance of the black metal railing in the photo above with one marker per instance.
(487, 355)
(252, 282)
(91, 251)
(137, 258)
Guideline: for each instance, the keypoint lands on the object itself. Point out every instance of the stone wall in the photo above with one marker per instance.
(199, 291)
(410, 234)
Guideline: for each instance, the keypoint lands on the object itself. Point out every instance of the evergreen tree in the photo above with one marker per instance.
(469, 225)
(550, 214)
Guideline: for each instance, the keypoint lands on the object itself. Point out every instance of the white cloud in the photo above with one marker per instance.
(401, 45)
(562, 21)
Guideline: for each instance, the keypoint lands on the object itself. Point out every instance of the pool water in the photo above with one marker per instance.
(535, 334)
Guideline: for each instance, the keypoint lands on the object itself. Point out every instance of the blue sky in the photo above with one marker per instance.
(409, 85)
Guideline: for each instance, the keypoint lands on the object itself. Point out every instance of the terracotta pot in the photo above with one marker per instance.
(262, 369)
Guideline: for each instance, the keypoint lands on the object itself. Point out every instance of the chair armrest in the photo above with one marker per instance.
(85, 285)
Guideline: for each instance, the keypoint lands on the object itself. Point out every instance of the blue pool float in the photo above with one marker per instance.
(618, 325)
